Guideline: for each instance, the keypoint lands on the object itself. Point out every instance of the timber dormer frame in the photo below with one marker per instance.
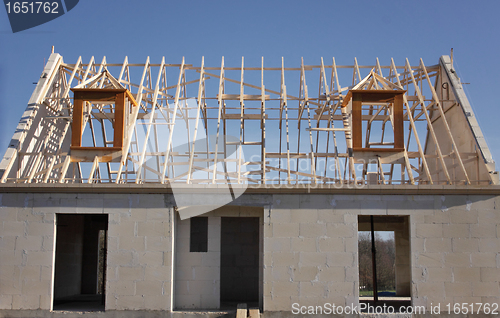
(394, 98)
(120, 97)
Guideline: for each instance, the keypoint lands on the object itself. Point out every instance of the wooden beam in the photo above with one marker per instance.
(201, 84)
(285, 106)
(132, 122)
(303, 93)
(397, 109)
(263, 122)
(253, 313)
(245, 97)
(445, 122)
(357, 126)
(241, 311)
(92, 169)
(148, 129)
(412, 125)
(77, 123)
(242, 120)
(429, 124)
(64, 169)
(119, 124)
(219, 115)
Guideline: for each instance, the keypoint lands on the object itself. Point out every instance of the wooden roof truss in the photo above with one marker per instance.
(245, 124)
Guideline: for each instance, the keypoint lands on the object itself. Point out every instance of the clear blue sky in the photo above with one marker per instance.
(292, 29)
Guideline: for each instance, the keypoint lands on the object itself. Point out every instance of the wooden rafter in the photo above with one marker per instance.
(310, 141)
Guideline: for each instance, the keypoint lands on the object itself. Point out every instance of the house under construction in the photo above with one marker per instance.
(179, 187)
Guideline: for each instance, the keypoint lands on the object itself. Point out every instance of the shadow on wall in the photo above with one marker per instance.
(125, 202)
(377, 204)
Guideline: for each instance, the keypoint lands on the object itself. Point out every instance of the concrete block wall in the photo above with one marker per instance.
(197, 274)
(69, 247)
(309, 248)
(139, 252)
(454, 244)
(310, 252)
(139, 248)
(456, 251)
(26, 251)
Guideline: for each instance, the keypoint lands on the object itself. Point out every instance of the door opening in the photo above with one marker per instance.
(80, 262)
(239, 279)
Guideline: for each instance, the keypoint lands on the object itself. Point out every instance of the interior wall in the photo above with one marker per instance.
(90, 258)
(403, 257)
(69, 255)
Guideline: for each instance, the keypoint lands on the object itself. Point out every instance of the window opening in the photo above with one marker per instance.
(384, 260)
(199, 234)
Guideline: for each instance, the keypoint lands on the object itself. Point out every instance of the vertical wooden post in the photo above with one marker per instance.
(398, 121)
(357, 125)
(76, 126)
(119, 124)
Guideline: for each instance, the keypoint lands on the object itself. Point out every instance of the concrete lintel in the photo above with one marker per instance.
(187, 212)
(253, 189)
